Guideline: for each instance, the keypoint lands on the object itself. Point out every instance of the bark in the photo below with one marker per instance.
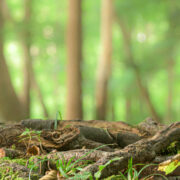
(72, 135)
(26, 38)
(51, 175)
(35, 85)
(74, 57)
(104, 66)
(82, 138)
(29, 75)
(120, 137)
(170, 72)
(144, 150)
(10, 106)
(11, 153)
(128, 108)
(113, 114)
(129, 56)
(62, 139)
(78, 154)
(111, 127)
(14, 170)
(173, 39)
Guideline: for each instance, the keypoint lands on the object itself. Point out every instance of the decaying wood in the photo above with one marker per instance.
(68, 138)
(64, 139)
(84, 154)
(160, 159)
(97, 141)
(98, 131)
(9, 135)
(38, 124)
(113, 127)
(144, 150)
(11, 153)
(79, 154)
(150, 127)
(51, 175)
(13, 170)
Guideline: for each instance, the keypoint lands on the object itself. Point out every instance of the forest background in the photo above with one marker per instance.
(110, 60)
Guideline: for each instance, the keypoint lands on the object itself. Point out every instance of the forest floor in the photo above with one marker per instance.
(76, 149)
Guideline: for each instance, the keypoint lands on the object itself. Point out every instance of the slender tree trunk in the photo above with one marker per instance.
(104, 66)
(113, 113)
(26, 38)
(128, 109)
(35, 85)
(170, 72)
(145, 94)
(129, 55)
(173, 38)
(10, 106)
(74, 55)
(29, 77)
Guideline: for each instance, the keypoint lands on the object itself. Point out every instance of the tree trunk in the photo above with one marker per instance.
(170, 72)
(35, 85)
(26, 38)
(10, 106)
(104, 67)
(173, 38)
(129, 56)
(74, 55)
(128, 108)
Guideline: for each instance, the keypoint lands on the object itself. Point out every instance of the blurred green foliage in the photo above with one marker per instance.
(149, 23)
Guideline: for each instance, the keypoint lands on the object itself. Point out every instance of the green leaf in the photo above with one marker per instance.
(97, 175)
(171, 167)
(122, 176)
(63, 173)
(70, 160)
(146, 167)
(101, 167)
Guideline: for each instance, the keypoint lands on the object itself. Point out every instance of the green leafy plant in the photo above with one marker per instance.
(30, 134)
(97, 175)
(33, 164)
(19, 161)
(133, 174)
(70, 168)
(56, 120)
(8, 173)
(171, 167)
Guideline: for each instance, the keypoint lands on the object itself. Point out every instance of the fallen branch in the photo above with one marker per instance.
(142, 151)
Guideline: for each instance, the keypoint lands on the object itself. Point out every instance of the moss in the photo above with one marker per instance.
(7, 172)
(172, 149)
(19, 161)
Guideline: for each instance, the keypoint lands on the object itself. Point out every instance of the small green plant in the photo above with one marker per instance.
(56, 120)
(8, 173)
(19, 161)
(29, 132)
(133, 174)
(69, 168)
(33, 163)
(97, 175)
(29, 135)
